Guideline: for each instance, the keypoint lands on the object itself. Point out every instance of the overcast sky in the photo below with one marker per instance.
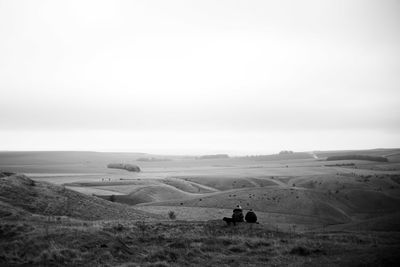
(241, 77)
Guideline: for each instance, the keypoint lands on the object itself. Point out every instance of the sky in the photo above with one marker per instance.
(199, 77)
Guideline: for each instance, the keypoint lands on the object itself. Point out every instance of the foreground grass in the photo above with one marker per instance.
(180, 243)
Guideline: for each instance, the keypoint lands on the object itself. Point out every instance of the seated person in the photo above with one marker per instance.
(251, 217)
(237, 215)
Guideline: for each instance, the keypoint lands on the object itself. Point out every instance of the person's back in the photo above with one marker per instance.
(251, 217)
(237, 215)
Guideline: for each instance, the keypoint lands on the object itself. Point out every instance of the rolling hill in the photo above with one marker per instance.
(20, 195)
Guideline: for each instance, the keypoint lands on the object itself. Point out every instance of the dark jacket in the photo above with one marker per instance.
(251, 217)
(237, 215)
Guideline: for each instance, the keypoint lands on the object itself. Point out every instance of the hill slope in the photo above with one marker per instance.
(21, 195)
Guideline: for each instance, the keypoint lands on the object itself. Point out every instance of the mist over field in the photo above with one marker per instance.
(199, 133)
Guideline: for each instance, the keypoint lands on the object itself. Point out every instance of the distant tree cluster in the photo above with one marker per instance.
(286, 152)
(358, 157)
(340, 165)
(128, 167)
(216, 156)
(281, 156)
(152, 159)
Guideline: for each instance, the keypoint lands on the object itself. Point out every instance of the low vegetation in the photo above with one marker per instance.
(172, 215)
(128, 167)
(216, 156)
(340, 165)
(283, 155)
(358, 157)
(152, 159)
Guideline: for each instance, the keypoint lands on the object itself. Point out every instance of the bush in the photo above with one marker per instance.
(172, 215)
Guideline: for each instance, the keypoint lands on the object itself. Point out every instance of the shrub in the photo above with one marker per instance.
(172, 215)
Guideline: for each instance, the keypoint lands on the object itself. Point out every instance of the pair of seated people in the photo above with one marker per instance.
(237, 216)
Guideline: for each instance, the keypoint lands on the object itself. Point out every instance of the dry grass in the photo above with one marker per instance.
(180, 243)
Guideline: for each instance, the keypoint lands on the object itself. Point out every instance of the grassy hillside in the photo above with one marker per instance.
(270, 200)
(153, 194)
(141, 243)
(367, 152)
(19, 193)
(357, 157)
(228, 182)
